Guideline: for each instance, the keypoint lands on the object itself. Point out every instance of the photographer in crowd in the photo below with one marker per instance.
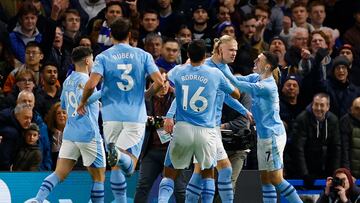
(340, 188)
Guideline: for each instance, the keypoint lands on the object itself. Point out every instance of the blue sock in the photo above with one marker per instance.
(288, 191)
(97, 192)
(126, 164)
(208, 190)
(193, 189)
(166, 189)
(118, 186)
(225, 186)
(47, 186)
(269, 193)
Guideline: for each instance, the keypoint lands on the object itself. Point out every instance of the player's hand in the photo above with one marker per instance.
(250, 116)
(81, 109)
(169, 125)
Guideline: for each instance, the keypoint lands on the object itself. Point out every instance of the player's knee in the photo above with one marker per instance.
(225, 173)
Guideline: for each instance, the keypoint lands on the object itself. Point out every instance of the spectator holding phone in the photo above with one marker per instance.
(340, 187)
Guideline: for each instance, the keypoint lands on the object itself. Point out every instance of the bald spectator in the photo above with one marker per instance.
(12, 124)
(350, 133)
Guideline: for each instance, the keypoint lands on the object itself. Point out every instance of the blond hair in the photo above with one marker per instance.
(222, 40)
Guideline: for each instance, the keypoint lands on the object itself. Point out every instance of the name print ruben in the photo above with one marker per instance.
(125, 55)
(194, 77)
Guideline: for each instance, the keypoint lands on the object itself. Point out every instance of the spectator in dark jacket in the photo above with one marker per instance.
(12, 123)
(29, 157)
(350, 134)
(341, 91)
(316, 141)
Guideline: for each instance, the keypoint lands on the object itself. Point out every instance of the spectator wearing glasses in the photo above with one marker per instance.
(33, 57)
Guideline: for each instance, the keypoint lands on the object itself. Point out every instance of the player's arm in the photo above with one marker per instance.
(158, 81)
(236, 93)
(88, 90)
(237, 106)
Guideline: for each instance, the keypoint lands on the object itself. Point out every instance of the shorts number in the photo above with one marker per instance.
(125, 76)
(72, 101)
(268, 155)
(196, 97)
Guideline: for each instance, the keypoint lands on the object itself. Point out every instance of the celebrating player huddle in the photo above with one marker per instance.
(201, 88)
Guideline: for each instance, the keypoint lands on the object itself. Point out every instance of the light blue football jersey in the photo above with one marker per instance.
(221, 97)
(196, 89)
(124, 70)
(265, 103)
(79, 128)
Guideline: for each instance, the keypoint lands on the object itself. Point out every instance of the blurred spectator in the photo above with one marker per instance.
(153, 44)
(24, 80)
(348, 51)
(251, 44)
(57, 53)
(316, 141)
(12, 123)
(25, 31)
(50, 90)
(262, 13)
(134, 38)
(278, 47)
(341, 91)
(290, 108)
(201, 27)
(149, 23)
(87, 42)
(71, 24)
(299, 16)
(340, 187)
(184, 36)
(33, 58)
(169, 19)
(28, 98)
(100, 33)
(29, 156)
(317, 14)
(169, 54)
(223, 15)
(226, 28)
(349, 129)
(88, 9)
(352, 35)
(55, 120)
(7, 59)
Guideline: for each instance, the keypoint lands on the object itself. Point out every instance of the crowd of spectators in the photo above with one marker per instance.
(317, 43)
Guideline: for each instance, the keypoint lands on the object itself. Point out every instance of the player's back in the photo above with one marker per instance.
(79, 128)
(124, 70)
(196, 91)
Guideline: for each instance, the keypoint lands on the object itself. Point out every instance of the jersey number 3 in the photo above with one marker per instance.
(194, 99)
(129, 84)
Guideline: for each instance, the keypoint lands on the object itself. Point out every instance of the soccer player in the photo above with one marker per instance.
(81, 133)
(194, 133)
(123, 69)
(224, 52)
(270, 129)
